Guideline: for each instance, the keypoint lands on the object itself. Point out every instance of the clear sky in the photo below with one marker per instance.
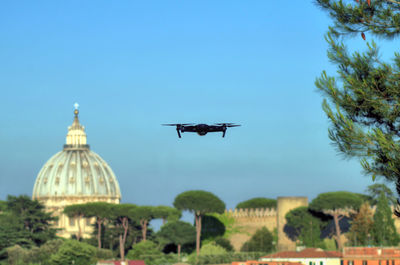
(133, 65)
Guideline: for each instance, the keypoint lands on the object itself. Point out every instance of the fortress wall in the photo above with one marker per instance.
(248, 221)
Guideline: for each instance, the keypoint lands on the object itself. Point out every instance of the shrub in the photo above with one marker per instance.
(74, 252)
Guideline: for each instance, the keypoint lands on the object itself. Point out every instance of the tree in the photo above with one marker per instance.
(167, 213)
(223, 242)
(143, 214)
(307, 226)
(375, 191)
(338, 204)
(361, 226)
(261, 241)
(145, 250)
(384, 230)
(257, 203)
(178, 233)
(31, 213)
(121, 214)
(362, 101)
(200, 203)
(211, 227)
(76, 211)
(74, 252)
(102, 211)
(12, 232)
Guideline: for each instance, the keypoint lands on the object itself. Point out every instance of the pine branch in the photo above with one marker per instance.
(393, 1)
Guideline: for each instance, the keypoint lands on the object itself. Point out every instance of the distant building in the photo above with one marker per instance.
(316, 256)
(371, 256)
(73, 176)
(308, 256)
(256, 262)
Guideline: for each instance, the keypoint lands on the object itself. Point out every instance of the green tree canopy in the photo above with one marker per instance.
(76, 211)
(257, 203)
(145, 250)
(200, 203)
(307, 226)
(361, 101)
(178, 233)
(261, 241)
(211, 227)
(32, 214)
(74, 252)
(3, 206)
(102, 211)
(338, 204)
(167, 213)
(384, 230)
(375, 191)
(12, 232)
(223, 242)
(121, 214)
(143, 214)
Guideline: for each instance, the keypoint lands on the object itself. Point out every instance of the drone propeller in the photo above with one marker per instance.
(228, 124)
(177, 124)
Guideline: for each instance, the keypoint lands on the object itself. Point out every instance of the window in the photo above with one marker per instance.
(392, 261)
(321, 263)
(71, 221)
(365, 262)
(341, 262)
(350, 262)
(387, 262)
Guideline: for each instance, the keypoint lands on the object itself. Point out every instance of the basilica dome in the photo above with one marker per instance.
(76, 171)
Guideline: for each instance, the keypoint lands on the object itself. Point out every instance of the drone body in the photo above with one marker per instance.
(201, 129)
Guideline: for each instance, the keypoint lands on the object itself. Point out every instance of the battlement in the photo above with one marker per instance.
(244, 213)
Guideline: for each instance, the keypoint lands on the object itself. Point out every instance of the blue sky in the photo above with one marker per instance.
(133, 65)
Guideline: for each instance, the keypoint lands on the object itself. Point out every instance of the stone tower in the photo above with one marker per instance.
(285, 204)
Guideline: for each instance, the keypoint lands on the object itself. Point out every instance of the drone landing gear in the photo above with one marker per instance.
(179, 133)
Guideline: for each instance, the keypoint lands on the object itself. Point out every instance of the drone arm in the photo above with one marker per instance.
(223, 133)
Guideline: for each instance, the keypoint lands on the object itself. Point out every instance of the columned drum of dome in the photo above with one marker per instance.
(73, 176)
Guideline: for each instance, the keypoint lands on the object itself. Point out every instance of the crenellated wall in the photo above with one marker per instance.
(248, 221)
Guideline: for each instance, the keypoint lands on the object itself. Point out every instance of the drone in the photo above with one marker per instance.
(201, 129)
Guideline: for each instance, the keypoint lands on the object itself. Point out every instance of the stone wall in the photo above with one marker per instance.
(247, 221)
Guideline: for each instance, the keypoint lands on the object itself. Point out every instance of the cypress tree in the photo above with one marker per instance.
(384, 230)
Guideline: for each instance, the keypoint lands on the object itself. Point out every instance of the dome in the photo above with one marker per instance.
(76, 171)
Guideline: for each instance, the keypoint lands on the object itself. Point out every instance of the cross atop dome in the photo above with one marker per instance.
(76, 111)
(76, 137)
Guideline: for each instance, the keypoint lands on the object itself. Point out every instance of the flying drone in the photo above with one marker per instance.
(201, 129)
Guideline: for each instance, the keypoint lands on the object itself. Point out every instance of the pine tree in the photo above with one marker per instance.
(361, 226)
(362, 102)
(384, 230)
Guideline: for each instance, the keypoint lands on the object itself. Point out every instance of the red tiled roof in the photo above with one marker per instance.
(371, 251)
(306, 253)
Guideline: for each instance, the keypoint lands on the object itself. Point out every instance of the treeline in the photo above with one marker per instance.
(331, 214)
(121, 231)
